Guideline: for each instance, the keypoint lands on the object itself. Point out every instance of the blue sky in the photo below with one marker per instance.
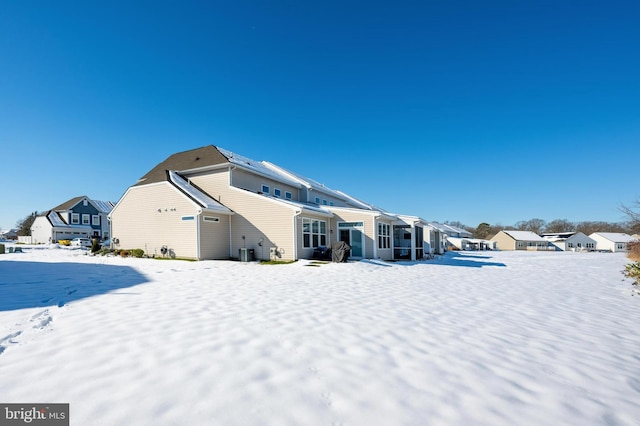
(467, 111)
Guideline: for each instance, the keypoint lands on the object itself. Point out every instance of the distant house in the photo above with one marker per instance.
(571, 241)
(460, 239)
(11, 234)
(613, 241)
(434, 238)
(211, 203)
(78, 217)
(458, 243)
(636, 236)
(520, 240)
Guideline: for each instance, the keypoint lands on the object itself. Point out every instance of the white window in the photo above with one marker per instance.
(314, 233)
(265, 189)
(277, 192)
(85, 219)
(95, 220)
(324, 202)
(75, 218)
(211, 219)
(288, 195)
(317, 200)
(384, 235)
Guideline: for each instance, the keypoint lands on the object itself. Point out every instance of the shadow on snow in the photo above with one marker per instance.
(451, 258)
(455, 258)
(40, 284)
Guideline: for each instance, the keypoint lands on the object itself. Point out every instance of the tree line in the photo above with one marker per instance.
(540, 226)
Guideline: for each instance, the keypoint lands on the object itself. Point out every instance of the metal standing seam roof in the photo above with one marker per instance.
(55, 219)
(259, 167)
(203, 199)
(102, 206)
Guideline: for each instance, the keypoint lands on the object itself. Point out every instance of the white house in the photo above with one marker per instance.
(571, 241)
(613, 241)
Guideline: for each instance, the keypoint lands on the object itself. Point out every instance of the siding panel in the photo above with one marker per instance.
(150, 217)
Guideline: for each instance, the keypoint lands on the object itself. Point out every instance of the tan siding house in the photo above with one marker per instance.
(368, 232)
(163, 220)
(521, 240)
(259, 208)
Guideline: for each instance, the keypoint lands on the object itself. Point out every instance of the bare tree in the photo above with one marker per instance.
(599, 226)
(633, 213)
(560, 225)
(24, 225)
(534, 225)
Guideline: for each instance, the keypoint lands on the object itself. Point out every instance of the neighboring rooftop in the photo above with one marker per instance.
(524, 236)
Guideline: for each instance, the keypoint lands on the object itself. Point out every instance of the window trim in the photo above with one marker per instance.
(315, 234)
(384, 238)
(75, 218)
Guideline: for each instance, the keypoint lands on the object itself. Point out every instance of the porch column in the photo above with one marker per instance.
(413, 242)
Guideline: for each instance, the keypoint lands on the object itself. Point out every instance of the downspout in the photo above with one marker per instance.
(295, 233)
(199, 237)
(375, 236)
(231, 168)
(230, 239)
(413, 242)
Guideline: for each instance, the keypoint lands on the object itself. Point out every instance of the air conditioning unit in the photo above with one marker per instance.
(273, 253)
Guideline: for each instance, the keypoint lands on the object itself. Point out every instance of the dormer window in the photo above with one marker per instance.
(277, 192)
(288, 195)
(265, 189)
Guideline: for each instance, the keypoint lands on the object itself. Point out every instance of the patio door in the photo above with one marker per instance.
(351, 233)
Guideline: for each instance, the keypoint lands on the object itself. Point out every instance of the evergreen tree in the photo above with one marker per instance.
(24, 225)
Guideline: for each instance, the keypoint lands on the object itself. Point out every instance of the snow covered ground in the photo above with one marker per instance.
(476, 338)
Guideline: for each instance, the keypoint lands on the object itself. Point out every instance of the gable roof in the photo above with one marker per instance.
(616, 237)
(211, 156)
(445, 227)
(69, 204)
(524, 236)
(205, 156)
(101, 206)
